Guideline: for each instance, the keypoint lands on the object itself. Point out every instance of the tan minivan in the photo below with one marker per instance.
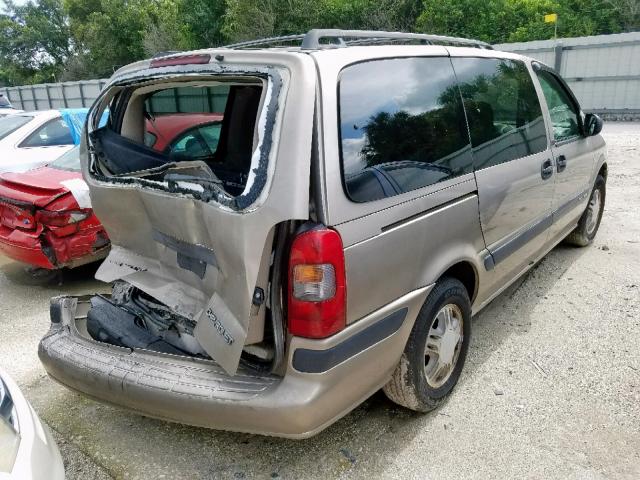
(359, 196)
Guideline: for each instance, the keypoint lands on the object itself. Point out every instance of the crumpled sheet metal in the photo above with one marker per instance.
(220, 301)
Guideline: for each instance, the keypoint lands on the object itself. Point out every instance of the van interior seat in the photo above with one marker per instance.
(235, 146)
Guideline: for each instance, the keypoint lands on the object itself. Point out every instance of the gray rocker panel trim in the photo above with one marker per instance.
(318, 361)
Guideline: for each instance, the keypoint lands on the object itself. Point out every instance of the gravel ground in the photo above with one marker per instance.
(551, 388)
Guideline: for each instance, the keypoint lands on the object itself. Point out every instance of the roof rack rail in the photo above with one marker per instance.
(265, 42)
(312, 40)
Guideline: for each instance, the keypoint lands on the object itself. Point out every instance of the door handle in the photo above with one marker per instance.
(547, 169)
(561, 163)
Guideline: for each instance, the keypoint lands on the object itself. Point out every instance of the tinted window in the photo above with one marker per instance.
(201, 141)
(10, 124)
(4, 102)
(365, 186)
(68, 161)
(150, 139)
(55, 132)
(503, 111)
(564, 114)
(402, 126)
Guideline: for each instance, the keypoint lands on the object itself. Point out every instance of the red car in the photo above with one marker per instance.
(46, 220)
(170, 132)
(45, 216)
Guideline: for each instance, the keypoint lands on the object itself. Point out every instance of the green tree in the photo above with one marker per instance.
(628, 12)
(113, 33)
(372, 14)
(498, 21)
(109, 32)
(248, 19)
(200, 23)
(34, 42)
(185, 25)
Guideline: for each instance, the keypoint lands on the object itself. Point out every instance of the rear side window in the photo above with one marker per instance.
(402, 127)
(564, 113)
(68, 161)
(53, 133)
(503, 110)
(10, 124)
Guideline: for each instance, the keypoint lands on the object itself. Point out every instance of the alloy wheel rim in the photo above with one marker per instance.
(593, 211)
(443, 345)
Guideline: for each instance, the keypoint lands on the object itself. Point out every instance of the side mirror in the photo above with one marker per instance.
(592, 124)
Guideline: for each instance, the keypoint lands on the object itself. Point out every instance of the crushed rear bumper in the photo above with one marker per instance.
(198, 392)
(52, 252)
(24, 247)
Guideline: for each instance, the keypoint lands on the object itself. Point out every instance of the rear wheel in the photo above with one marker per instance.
(436, 350)
(41, 276)
(589, 223)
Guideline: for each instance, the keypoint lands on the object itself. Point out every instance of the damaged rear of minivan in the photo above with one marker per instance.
(229, 303)
(198, 225)
(201, 230)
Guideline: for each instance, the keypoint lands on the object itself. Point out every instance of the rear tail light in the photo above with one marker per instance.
(317, 284)
(16, 217)
(61, 219)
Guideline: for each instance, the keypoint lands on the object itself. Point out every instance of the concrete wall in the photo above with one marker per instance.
(54, 95)
(83, 94)
(603, 71)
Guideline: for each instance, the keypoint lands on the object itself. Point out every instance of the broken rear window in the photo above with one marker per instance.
(197, 137)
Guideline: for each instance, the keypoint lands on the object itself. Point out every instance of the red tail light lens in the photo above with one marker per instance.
(317, 284)
(61, 219)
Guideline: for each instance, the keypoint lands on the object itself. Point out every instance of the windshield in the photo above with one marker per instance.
(10, 124)
(68, 161)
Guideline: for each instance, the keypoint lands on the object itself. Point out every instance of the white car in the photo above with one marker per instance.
(27, 449)
(28, 140)
(9, 111)
(6, 108)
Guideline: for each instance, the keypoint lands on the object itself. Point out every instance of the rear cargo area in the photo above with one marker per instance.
(185, 180)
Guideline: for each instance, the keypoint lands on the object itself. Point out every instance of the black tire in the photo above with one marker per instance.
(35, 276)
(408, 385)
(582, 235)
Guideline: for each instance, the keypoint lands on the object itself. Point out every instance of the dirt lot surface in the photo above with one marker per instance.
(551, 388)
